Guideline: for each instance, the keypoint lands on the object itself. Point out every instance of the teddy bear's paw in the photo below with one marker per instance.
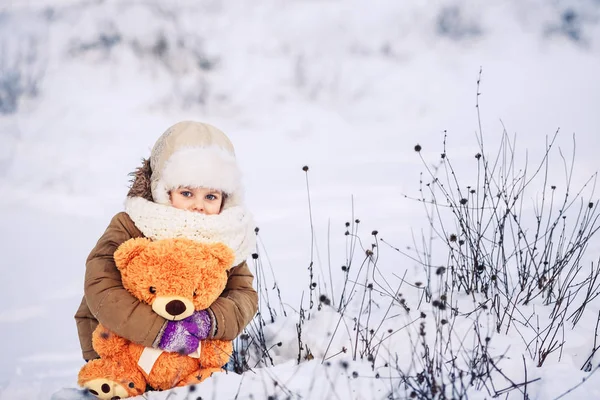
(215, 353)
(111, 379)
(106, 389)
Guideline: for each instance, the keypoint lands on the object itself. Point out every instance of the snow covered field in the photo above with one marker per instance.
(346, 88)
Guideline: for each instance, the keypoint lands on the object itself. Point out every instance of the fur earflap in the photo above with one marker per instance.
(141, 181)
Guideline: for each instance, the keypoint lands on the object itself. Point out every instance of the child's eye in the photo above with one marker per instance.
(211, 197)
(186, 193)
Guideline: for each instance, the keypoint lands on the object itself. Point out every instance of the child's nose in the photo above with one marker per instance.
(198, 206)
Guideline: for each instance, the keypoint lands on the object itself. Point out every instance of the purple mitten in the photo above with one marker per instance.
(184, 336)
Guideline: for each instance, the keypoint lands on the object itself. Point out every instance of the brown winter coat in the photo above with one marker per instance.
(107, 301)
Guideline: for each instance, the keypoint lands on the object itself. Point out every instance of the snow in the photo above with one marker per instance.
(346, 88)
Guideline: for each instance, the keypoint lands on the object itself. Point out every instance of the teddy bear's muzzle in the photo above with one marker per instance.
(173, 308)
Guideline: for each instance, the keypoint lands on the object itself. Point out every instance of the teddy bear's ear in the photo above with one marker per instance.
(222, 253)
(128, 250)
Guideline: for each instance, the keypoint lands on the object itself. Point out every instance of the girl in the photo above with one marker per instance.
(190, 187)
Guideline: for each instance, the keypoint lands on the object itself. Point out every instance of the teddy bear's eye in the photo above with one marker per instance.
(195, 293)
(152, 289)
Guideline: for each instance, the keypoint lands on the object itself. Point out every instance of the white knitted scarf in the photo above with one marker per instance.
(234, 226)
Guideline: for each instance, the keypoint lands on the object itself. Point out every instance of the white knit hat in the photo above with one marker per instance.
(194, 154)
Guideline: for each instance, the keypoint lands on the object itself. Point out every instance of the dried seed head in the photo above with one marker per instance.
(443, 155)
(256, 229)
(418, 284)
(478, 156)
(590, 205)
(440, 271)
(305, 168)
(254, 256)
(461, 242)
(418, 148)
(444, 321)
(453, 237)
(374, 233)
(463, 201)
(357, 221)
(347, 224)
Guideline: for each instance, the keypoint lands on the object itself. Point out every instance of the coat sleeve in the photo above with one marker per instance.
(236, 306)
(108, 301)
(86, 324)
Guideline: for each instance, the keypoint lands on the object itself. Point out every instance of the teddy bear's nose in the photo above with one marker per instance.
(175, 307)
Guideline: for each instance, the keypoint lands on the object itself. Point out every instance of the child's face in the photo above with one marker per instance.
(202, 200)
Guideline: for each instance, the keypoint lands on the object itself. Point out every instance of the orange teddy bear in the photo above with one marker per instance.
(161, 273)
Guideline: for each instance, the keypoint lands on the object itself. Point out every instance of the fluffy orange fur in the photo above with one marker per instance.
(179, 268)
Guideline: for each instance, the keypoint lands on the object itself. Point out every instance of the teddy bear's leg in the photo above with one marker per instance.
(215, 353)
(112, 378)
(199, 376)
(167, 370)
(106, 343)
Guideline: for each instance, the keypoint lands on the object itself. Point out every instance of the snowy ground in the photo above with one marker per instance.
(347, 88)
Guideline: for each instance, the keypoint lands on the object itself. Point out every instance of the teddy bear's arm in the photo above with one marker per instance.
(236, 306)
